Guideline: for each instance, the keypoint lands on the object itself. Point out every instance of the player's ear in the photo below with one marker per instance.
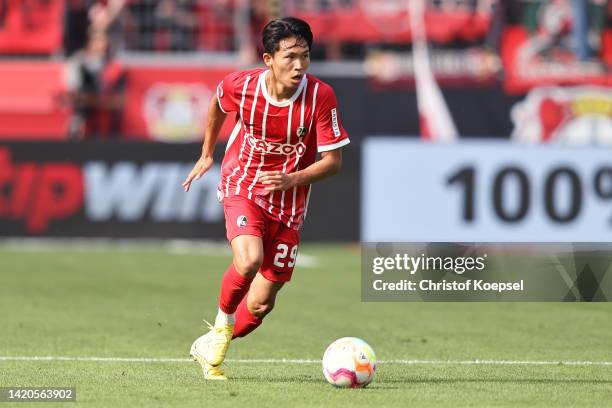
(267, 59)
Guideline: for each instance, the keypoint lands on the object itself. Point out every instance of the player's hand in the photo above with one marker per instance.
(276, 180)
(201, 167)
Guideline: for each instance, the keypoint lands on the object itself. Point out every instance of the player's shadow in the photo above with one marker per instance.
(284, 379)
(382, 386)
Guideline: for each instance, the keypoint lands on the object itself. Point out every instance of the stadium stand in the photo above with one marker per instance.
(504, 48)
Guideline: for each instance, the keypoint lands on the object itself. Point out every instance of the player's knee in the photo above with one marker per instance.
(247, 265)
(260, 309)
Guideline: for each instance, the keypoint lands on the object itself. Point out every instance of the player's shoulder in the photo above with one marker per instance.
(323, 89)
(323, 86)
(243, 74)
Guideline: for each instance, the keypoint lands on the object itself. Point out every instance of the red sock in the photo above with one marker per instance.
(234, 287)
(245, 321)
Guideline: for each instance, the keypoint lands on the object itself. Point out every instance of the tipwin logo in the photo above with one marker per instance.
(39, 194)
(276, 148)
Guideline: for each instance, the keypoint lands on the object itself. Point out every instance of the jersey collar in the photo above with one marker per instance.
(272, 101)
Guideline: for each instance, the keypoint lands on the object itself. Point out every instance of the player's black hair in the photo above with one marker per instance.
(277, 30)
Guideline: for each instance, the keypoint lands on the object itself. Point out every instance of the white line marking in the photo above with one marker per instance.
(304, 361)
(307, 261)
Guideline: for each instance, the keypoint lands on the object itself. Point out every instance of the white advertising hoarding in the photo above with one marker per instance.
(477, 191)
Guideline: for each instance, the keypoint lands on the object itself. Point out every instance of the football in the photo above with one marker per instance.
(349, 362)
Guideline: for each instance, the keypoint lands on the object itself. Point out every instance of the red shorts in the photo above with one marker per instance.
(244, 217)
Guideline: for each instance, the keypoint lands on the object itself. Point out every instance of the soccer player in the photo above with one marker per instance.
(284, 118)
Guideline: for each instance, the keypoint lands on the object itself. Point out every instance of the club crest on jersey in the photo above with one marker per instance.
(301, 131)
(276, 148)
(241, 221)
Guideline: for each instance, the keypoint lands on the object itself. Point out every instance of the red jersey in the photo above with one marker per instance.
(276, 136)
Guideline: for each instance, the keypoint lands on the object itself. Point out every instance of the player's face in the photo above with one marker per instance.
(290, 62)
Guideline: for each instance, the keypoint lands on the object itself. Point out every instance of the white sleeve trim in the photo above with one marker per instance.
(327, 148)
(220, 107)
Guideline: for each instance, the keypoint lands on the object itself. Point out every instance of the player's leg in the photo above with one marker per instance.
(280, 253)
(251, 311)
(256, 305)
(247, 253)
(245, 223)
(245, 226)
(247, 259)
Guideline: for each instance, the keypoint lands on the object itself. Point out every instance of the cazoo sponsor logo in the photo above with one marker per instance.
(276, 148)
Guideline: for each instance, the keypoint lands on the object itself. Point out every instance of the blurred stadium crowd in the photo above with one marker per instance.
(69, 67)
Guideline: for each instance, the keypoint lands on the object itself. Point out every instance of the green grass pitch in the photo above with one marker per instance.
(149, 303)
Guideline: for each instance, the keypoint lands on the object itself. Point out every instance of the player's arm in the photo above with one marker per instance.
(216, 117)
(331, 136)
(329, 165)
